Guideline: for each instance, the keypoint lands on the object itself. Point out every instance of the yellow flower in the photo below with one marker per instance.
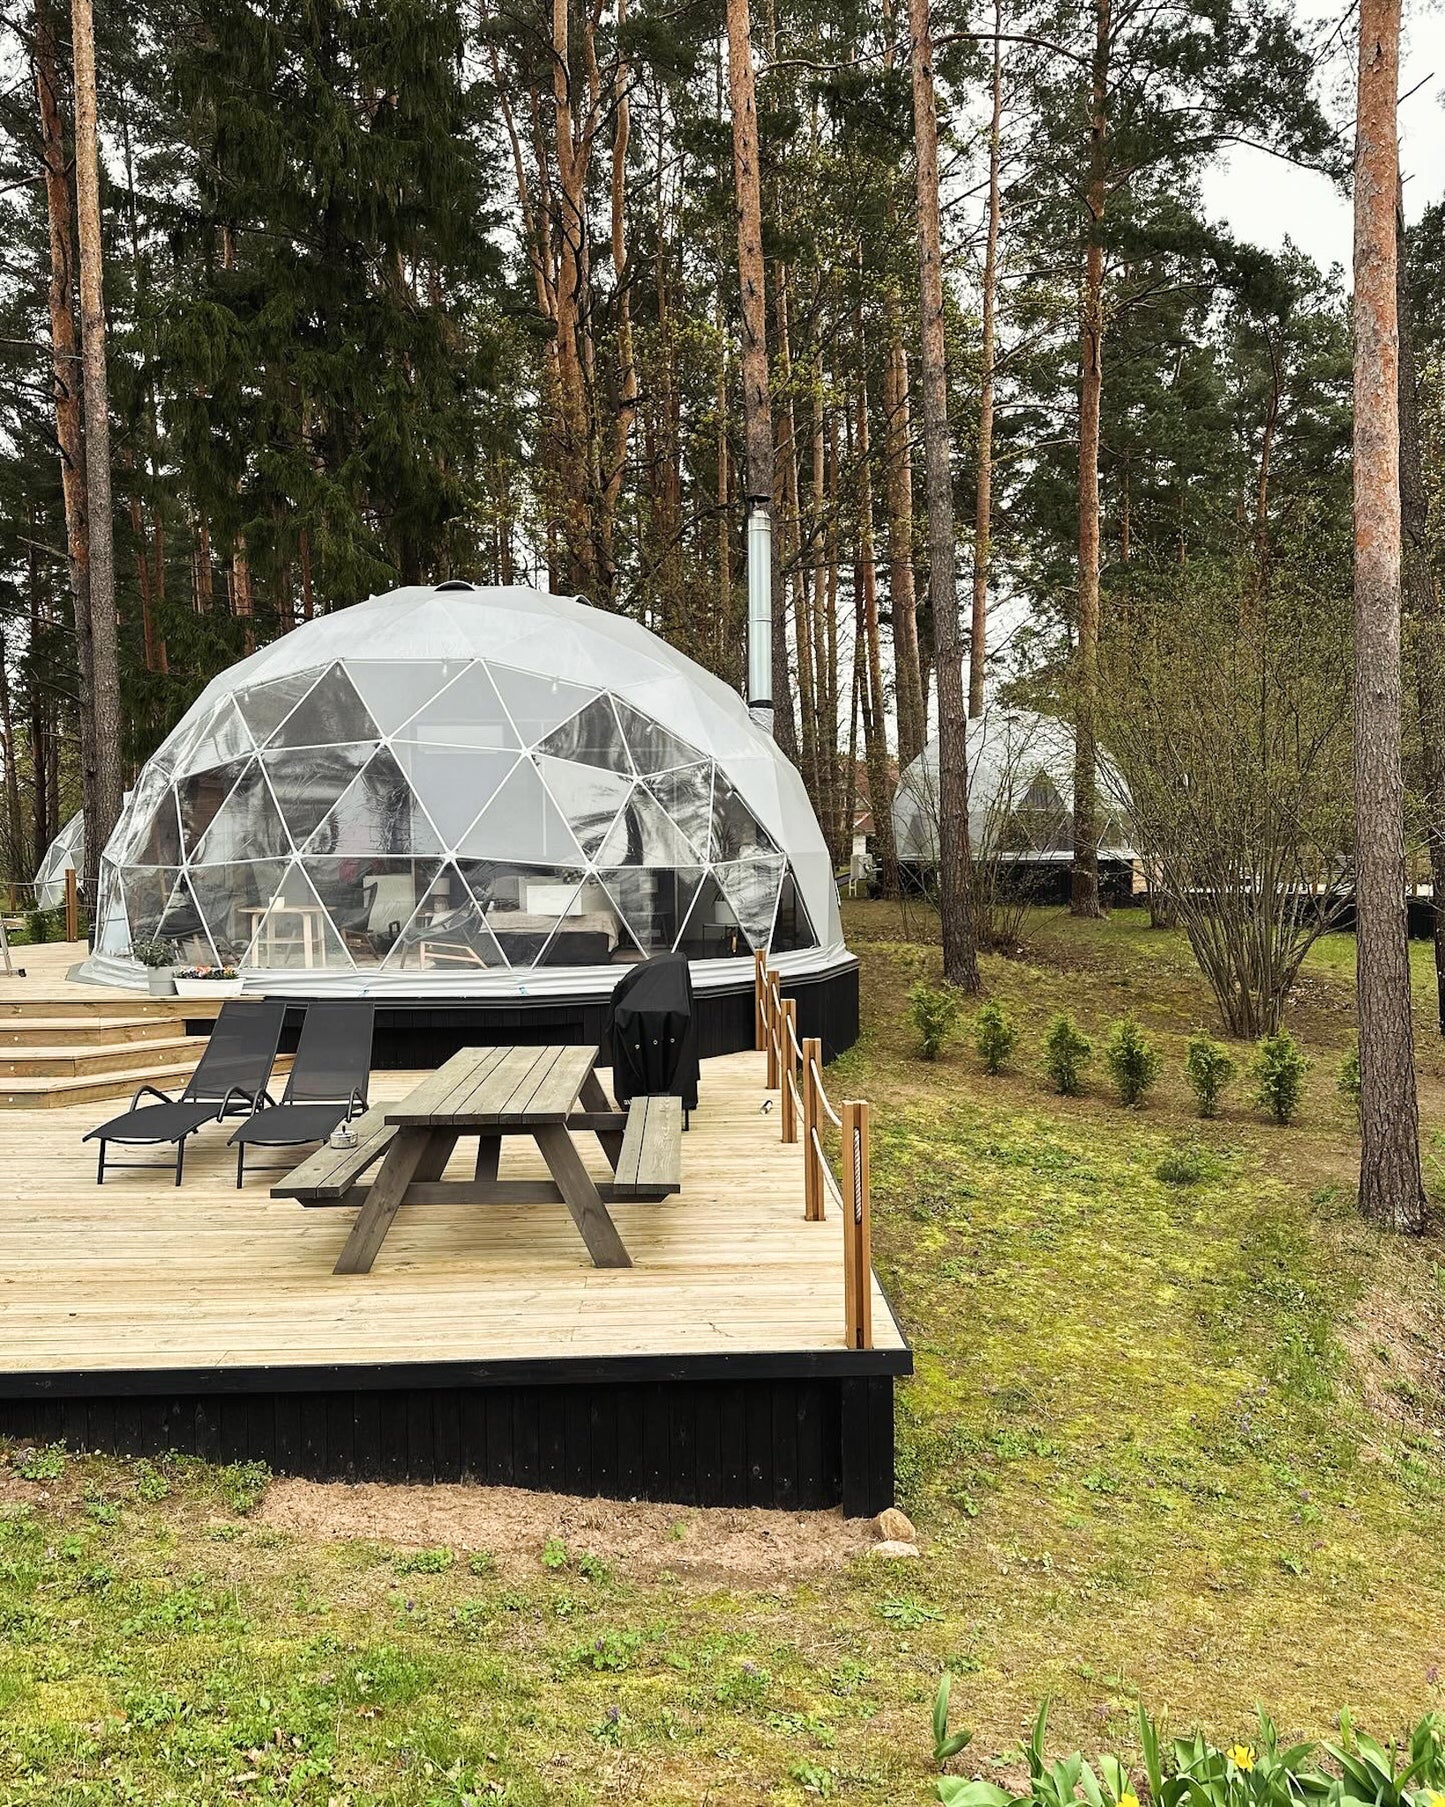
(1130, 1799)
(1437, 1799)
(1242, 1757)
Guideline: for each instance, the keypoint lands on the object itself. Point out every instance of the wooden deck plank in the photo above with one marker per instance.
(140, 1276)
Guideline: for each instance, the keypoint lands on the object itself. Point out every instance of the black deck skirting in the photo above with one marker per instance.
(418, 1033)
(814, 1438)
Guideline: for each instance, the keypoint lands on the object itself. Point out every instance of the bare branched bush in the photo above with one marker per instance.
(1228, 717)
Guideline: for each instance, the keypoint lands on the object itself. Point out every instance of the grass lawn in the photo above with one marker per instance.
(1177, 1442)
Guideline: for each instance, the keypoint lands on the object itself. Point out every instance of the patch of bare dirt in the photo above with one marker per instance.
(750, 1548)
(1397, 1344)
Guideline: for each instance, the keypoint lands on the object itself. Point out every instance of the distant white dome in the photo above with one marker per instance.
(66, 853)
(1020, 793)
(461, 780)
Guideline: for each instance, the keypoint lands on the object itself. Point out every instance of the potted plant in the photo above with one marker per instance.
(207, 981)
(158, 957)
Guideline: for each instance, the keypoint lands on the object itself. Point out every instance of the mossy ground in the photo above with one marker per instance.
(1177, 1442)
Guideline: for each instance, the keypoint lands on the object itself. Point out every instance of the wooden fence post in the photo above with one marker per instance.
(812, 1122)
(787, 1034)
(72, 906)
(857, 1233)
(775, 1023)
(760, 985)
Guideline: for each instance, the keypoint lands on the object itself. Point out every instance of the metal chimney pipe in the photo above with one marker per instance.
(760, 615)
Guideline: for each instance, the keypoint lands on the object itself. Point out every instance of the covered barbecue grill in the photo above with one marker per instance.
(653, 1033)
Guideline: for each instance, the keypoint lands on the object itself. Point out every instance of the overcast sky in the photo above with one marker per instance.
(1265, 200)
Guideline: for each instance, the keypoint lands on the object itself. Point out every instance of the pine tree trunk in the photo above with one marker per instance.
(1423, 610)
(960, 937)
(983, 509)
(1391, 1193)
(757, 400)
(875, 724)
(1084, 886)
(107, 785)
(790, 544)
(898, 450)
(44, 809)
(66, 384)
(898, 447)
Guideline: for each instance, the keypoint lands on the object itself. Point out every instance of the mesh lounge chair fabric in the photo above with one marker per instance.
(231, 1075)
(327, 1083)
(653, 1031)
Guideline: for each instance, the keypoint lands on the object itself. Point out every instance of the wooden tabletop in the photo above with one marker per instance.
(503, 1088)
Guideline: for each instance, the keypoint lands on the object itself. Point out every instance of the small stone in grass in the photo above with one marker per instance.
(894, 1526)
(893, 1546)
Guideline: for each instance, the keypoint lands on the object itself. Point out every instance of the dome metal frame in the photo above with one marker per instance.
(465, 786)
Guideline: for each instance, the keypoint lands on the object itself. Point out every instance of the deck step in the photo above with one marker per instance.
(59, 1061)
(53, 1093)
(77, 1032)
(131, 1005)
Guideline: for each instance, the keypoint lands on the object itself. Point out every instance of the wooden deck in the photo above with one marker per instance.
(137, 1275)
(483, 1344)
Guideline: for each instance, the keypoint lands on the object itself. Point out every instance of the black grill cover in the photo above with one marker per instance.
(653, 1032)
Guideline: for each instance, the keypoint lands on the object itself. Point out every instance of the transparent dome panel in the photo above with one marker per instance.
(652, 748)
(233, 899)
(590, 798)
(712, 930)
(265, 706)
(537, 704)
(371, 899)
(307, 781)
(200, 798)
(686, 795)
(644, 835)
(378, 813)
(653, 904)
(247, 826)
(330, 711)
(296, 931)
(224, 739)
(591, 737)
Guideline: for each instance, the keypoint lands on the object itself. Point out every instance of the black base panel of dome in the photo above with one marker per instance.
(801, 1432)
(413, 1035)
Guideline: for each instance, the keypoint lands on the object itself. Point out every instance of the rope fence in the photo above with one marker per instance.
(795, 1072)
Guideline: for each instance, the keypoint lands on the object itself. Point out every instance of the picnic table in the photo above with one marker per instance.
(488, 1093)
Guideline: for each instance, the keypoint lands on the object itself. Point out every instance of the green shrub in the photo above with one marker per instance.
(1133, 1061)
(1278, 1070)
(1209, 1069)
(1186, 1164)
(934, 1011)
(995, 1035)
(1067, 1051)
(1347, 1081)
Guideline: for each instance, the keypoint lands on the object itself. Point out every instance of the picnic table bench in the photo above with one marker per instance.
(488, 1093)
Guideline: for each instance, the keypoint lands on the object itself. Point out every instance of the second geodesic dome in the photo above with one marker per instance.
(65, 853)
(466, 781)
(1020, 794)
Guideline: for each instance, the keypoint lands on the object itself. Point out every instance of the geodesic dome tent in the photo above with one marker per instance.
(460, 786)
(65, 853)
(1020, 794)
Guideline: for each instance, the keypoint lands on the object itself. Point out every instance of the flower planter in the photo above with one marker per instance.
(207, 988)
(159, 982)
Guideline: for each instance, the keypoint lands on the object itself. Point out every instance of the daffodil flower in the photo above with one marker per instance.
(1242, 1757)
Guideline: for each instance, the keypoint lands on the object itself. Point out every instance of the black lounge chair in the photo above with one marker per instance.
(326, 1086)
(230, 1078)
